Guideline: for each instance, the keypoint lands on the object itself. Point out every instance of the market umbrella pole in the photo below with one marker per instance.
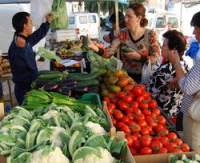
(117, 21)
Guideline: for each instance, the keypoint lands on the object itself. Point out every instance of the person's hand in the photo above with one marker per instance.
(173, 84)
(93, 46)
(49, 17)
(133, 55)
(173, 57)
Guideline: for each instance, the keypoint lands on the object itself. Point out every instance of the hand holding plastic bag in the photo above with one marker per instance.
(39, 10)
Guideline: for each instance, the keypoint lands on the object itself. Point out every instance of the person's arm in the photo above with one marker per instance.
(40, 33)
(189, 83)
(106, 52)
(154, 50)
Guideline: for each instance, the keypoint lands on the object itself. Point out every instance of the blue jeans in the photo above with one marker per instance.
(20, 90)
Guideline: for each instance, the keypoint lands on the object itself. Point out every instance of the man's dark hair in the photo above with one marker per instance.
(176, 40)
(195, 20)
(18, 21)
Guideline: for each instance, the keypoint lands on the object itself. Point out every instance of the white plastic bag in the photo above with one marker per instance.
(39, 9)
(147, 71)
(194, 109)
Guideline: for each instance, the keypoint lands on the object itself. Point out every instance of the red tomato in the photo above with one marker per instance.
(125, 128)
(137, 90)
(146, 150)
(158, 128)
(111, 108)
(125, 120)
(106, 99)
(134, 105)
(170, 147)
(161, 120)
(142, 123)
(140, 117)
(123, 105)
(178, 141)
(176, 150)
(128, 99)
(146, 95)
(136, 111)
(150, 121)
(145, 141)
(172, 136)
(163, 150)
(145, 131)
(133, 151)
(135, 127)
(185, 147)
(136, 145)
(152, 104)
(118, 114)
(121, 95)
(164, 140)
(146, 112)
(156, 111)
(143, 106)
(156, 145)
(164, 132)
(114, 122)
(140, 99)
(129, 141)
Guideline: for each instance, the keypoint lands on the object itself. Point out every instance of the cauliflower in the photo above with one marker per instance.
(96, 128)
(106, 157)
(55, 156)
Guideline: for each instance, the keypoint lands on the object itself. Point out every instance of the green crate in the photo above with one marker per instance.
(93, 98)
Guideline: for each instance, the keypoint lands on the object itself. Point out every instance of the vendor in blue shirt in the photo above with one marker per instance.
(21, 54)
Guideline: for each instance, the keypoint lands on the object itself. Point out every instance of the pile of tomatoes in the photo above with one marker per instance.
(136, 113)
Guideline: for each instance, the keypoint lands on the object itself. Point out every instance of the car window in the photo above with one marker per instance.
(161, 22)
(71, 20)
(83, 19)
(92, 19)
(173, 22)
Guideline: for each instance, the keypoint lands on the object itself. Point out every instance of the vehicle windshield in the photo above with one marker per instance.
(173, 22)
(161, 22)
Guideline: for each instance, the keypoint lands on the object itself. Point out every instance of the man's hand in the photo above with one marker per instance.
(49, 18)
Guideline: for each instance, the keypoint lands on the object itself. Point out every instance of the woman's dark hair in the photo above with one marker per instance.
(176, 40)
(112, 19)
(139, 10)
(18, 21)
(196, 20)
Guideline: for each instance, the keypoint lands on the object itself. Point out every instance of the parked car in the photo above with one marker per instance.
(85, 24)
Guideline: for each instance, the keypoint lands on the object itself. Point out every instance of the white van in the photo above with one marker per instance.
(85, 24)
(163, 22)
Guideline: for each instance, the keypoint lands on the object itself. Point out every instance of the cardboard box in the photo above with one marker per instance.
(1, 110)
(158, 158)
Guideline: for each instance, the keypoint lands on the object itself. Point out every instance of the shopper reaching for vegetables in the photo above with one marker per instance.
(21, 54)
(138, 44)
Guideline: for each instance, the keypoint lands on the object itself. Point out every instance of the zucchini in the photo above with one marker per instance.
(51, 76)
(93, 82)
(82, 77)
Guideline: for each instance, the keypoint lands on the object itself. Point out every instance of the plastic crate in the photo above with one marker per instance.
(93, 98)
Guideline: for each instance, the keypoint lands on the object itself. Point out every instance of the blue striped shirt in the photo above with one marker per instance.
(190, 85)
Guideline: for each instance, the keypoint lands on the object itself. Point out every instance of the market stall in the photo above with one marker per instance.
(98, 114)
